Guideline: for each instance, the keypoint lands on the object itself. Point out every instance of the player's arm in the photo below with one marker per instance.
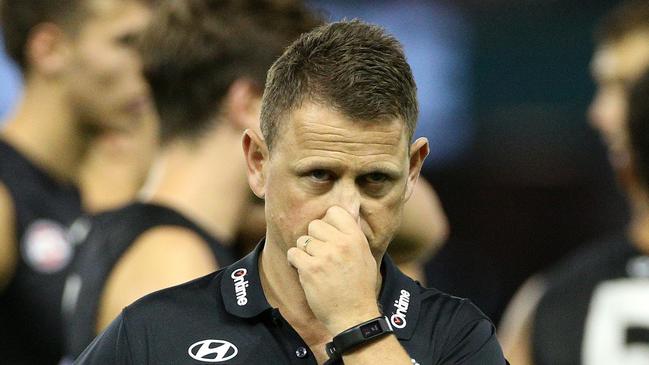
(159, 258)
(516, 326)
(423, 230)
(8, 250)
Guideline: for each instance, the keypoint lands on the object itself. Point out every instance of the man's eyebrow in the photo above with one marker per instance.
(384, 168)
(315, 163)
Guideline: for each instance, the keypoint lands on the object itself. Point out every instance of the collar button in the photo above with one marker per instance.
(301, 352)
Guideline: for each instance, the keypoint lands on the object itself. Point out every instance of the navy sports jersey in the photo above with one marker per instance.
(596, 308)
(108, 238)
(225, 318)
(30, 316)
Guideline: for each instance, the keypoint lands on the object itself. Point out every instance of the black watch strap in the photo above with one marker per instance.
(358, 335)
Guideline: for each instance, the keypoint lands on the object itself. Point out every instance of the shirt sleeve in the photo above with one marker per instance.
(111, 347)
(472, 340)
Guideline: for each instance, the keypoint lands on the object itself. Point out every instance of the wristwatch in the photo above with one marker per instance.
(358, 335)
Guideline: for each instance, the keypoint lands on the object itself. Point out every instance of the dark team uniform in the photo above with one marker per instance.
(109, 237)
(596, 308)
(225, 318)
(30, 316)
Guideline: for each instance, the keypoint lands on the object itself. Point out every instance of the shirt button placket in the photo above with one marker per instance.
(301, 352)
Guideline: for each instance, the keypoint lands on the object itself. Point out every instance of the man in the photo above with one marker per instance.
(335, 166)
(198, 198)
(583, 310)
(81, 77)
(206, 63)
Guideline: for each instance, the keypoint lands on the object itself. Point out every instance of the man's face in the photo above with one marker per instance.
(106, 85)
(615, 67)
(322, 159)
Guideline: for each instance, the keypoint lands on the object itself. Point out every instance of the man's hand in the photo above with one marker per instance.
(337, 271)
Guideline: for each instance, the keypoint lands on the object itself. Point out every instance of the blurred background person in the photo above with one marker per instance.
(81, 78)
(592, 307)
(623, 303)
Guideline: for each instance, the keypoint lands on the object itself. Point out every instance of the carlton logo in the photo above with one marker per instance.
(398, 319)
(240, 285)
(213, 351)
(45, 247)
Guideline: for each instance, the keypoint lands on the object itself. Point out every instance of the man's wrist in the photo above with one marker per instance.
(357, 336)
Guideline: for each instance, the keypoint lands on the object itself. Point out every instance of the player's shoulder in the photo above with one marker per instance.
(123, 223)
(137, 217)
(117, 215)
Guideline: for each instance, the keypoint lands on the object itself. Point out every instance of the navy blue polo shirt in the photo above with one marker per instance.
(224, 318)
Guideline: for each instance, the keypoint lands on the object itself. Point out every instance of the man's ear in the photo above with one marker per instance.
(256, 154)
(243, 104)
(418, 152)
(47, 49)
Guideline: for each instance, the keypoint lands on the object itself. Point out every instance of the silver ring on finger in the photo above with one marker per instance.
(306, 243)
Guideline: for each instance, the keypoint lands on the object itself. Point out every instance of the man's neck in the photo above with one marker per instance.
(203, 180)
(45, 130)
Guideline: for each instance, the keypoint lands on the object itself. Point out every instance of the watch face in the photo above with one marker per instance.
(371, 329)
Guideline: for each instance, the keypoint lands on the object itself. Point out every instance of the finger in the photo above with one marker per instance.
(298, 258)
(322, 230)
(341, 220)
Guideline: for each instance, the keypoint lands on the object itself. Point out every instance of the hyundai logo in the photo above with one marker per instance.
(213, 351)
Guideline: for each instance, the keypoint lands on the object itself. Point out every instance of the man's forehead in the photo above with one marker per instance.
(314, 126)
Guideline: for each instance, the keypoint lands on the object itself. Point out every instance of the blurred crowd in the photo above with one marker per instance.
(122, 172)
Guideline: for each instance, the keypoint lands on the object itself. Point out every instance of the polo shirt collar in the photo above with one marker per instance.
(399, 299)
(241, 288)
(244, 297)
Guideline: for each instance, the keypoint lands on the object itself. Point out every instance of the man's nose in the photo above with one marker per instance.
(348, 197)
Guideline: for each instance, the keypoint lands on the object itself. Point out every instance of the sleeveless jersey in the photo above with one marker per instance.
(596, 308)
(30, 315)
(109, 236)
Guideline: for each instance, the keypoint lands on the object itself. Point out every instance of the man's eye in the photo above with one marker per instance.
(320, 175)
(376, 178)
